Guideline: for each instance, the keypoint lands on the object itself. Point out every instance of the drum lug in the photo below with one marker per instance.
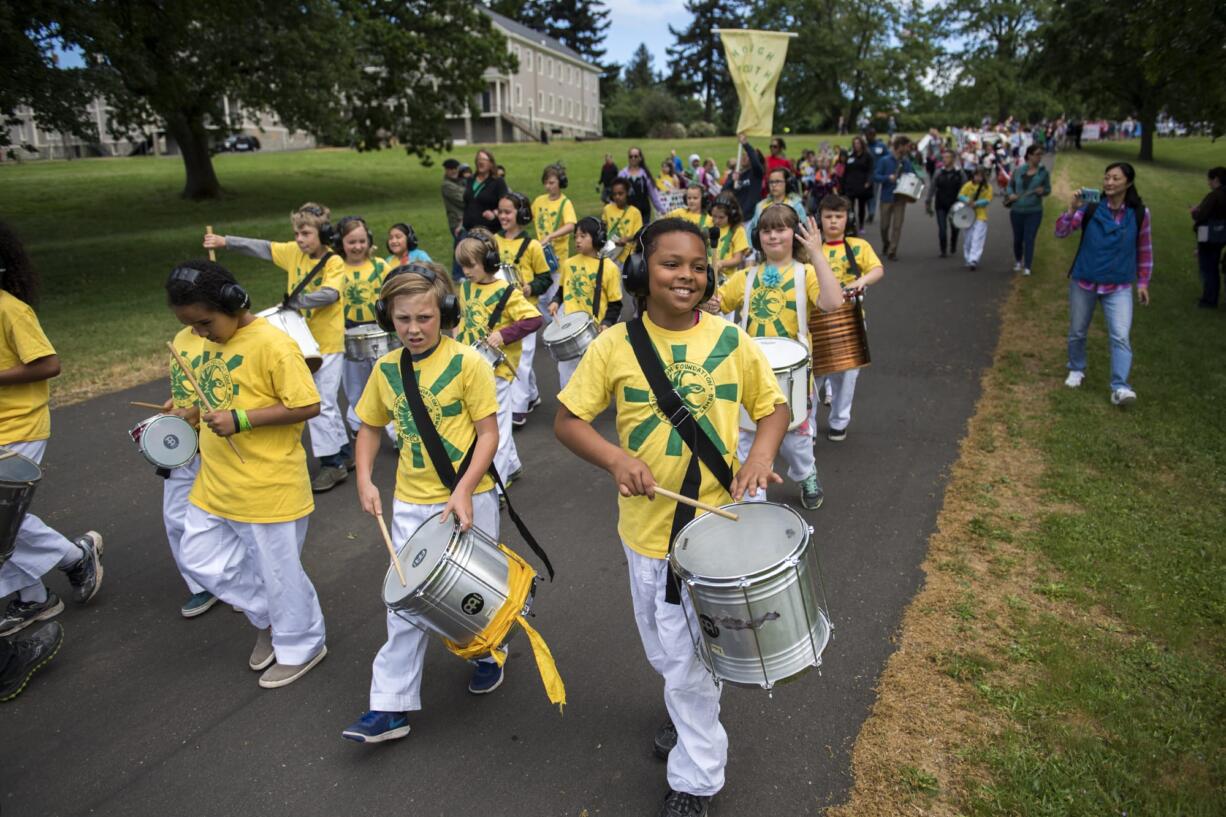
(743, 583)
(810, 530)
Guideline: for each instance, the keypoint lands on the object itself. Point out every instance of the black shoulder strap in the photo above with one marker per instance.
(596, 294)
(499, 307)
(523, 247)
(852, 263)
(303, 283)
(442, 463)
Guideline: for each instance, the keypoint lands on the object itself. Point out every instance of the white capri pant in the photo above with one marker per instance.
(972, 245)
(506, 458)
(174, 510)
(39, 547)
(796, 450)
(842, 392)
(395, 682)
(524, 390)
(328, 433)
(354, 375)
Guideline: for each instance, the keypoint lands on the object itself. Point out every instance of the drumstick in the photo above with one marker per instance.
(695, 503)
(204, 401)
(208, 229)
(140, 404)
(387, 540)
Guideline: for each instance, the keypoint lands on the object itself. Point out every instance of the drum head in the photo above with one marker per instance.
(766, 533)
(565, 326)
(169, 441)
(783, 353)
(15, 468)
(364, 331)
(418, 558)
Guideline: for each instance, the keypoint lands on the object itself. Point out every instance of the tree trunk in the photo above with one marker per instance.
(200, 180)
(1148, 117)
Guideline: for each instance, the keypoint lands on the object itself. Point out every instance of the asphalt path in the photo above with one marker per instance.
(147, 713)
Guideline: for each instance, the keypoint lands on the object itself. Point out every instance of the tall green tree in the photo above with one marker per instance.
(997, 39)
(32, 76)
(580, 25)
(640, 72)
(696, 59)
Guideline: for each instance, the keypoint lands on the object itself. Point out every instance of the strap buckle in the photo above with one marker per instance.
(680, 412)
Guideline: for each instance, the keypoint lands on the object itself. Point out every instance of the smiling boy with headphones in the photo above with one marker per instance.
(589, 284)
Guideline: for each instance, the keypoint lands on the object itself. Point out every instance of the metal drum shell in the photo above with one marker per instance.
(19, 477)
(494, 357)
(839, 339)
(962, 215)
(574, 344)
(910, 187)
(144, 442)
(794, 386)
(293, 324)
(369, 341)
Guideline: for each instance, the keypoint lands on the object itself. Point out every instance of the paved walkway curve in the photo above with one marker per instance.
(146, 713)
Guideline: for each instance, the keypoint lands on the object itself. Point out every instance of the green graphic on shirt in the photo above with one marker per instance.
(360, 293)
(579, 285)
(477, 313)
(696, 384)
(181, 392)
(214, 374)
(406, 429)
(767, 304)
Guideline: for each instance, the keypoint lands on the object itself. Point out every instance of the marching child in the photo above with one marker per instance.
(856, 266)
(517, 248)
(774, 297)
(694, 210)
(978, 194)
(309, 258)
(589, 284)
(621, 221)
(732, 246)
(724, 370)
(364, 274)
(247, 519)
(402, 246)
(555, 218)
(420, 305)
(498, 313)
(27, 362)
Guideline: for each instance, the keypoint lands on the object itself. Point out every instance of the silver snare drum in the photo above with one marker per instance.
(19, 476)
(962, 215)
(369, 342)
(569, 335)
(456, 581)
(293, 324)
(789, 360)
(758, 615)
(166, 440)
(492, 355)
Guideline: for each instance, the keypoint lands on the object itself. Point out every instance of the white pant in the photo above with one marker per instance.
(354, 375)
(523, 388)
(566, 368)
(174, 508)
(696, 764)
(842, 391)
(506, 458)
(395, 682)
(328, 433)
(796, 450)
(39, 547)
(972, 245)
(257, 567)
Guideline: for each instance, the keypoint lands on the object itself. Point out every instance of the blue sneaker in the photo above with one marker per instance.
(487, 677)
(198, 604)
(376, 727)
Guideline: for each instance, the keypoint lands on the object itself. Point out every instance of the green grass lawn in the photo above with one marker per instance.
(104, 233)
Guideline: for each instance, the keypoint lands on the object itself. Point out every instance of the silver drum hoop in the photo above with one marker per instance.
(571, 337)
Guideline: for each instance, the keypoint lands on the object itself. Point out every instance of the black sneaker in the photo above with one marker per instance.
(86, 575)
(532, 404)
(666, 739)
(21, 614)
(836, 435)
(30, 654)
(328, 478)
(682, 804)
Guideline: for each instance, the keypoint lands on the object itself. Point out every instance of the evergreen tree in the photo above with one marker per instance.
(639, 72)
(696, 60)
(580, 25)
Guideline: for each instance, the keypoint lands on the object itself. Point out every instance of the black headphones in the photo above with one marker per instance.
(449, 308)
(327, 233)
(756, 238)
(595, 228)
(492, 260)
(232, 298)
(635, 279)
(560, 170)
(339, 245)
(790, 183)
(410, 237)
(523, 208)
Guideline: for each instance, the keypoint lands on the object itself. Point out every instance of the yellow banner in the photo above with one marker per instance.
(755, 60)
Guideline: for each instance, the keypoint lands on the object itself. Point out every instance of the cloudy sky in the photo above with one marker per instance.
(643, 21)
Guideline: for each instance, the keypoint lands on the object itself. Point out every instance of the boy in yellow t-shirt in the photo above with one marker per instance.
(693, 210)
(247, 521)
(774, 298)
(310, 256)
(517, 249)
(27, 362)
(621, 221)
(554, 216)
(498, 313)
(856, 266)
(723, 370)
(418, 303)
(589, 284)
(978, 194)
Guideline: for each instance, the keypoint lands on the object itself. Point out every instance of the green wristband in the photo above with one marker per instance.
(244, 423)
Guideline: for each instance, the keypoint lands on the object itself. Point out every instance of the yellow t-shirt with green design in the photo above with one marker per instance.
(457, 386)
(836, 257)
(24, 416)
(531, 264)
(772, 303)
(619, 223)
(258, 367)
(701, 219)
(327, 324)
(477, 304)
(550, 214)
(188, 345)
(715, 368)
(361, 289)
(731, 241)
(578, 284)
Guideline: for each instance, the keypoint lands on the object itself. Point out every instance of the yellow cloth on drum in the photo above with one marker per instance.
(519, 584)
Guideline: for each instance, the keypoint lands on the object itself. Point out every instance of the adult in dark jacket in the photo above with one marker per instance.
(746, 182)
(1209, 220)
(482, 193)
(858, 178)
(608, 172)
(642, 193)
(943, 191)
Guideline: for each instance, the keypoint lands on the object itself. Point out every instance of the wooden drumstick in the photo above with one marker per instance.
(391, 549)
(140, 404)
(205, 405)
(208, 229)
(695, 503)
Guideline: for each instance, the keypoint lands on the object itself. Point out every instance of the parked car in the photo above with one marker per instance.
(239, 143)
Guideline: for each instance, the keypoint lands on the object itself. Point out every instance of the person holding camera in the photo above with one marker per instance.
(1116, 253)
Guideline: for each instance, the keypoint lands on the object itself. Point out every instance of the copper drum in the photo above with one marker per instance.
(839, 339)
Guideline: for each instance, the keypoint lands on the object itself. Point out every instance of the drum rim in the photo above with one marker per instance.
(417, 591)
(18, 483)
(145, 425)
(691, 578)
(768, 342)
(560, 322)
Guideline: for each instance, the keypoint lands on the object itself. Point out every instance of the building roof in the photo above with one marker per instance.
(535, 36)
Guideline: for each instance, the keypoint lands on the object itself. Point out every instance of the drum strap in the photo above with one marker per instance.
(596, 293)
(306, 280)
(442, 463)
(702, 449)
(499, 307)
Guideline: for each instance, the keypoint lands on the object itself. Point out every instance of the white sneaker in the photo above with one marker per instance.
(1123, 396)
(1074, 379)
(1026, 271)
(1017, 266)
